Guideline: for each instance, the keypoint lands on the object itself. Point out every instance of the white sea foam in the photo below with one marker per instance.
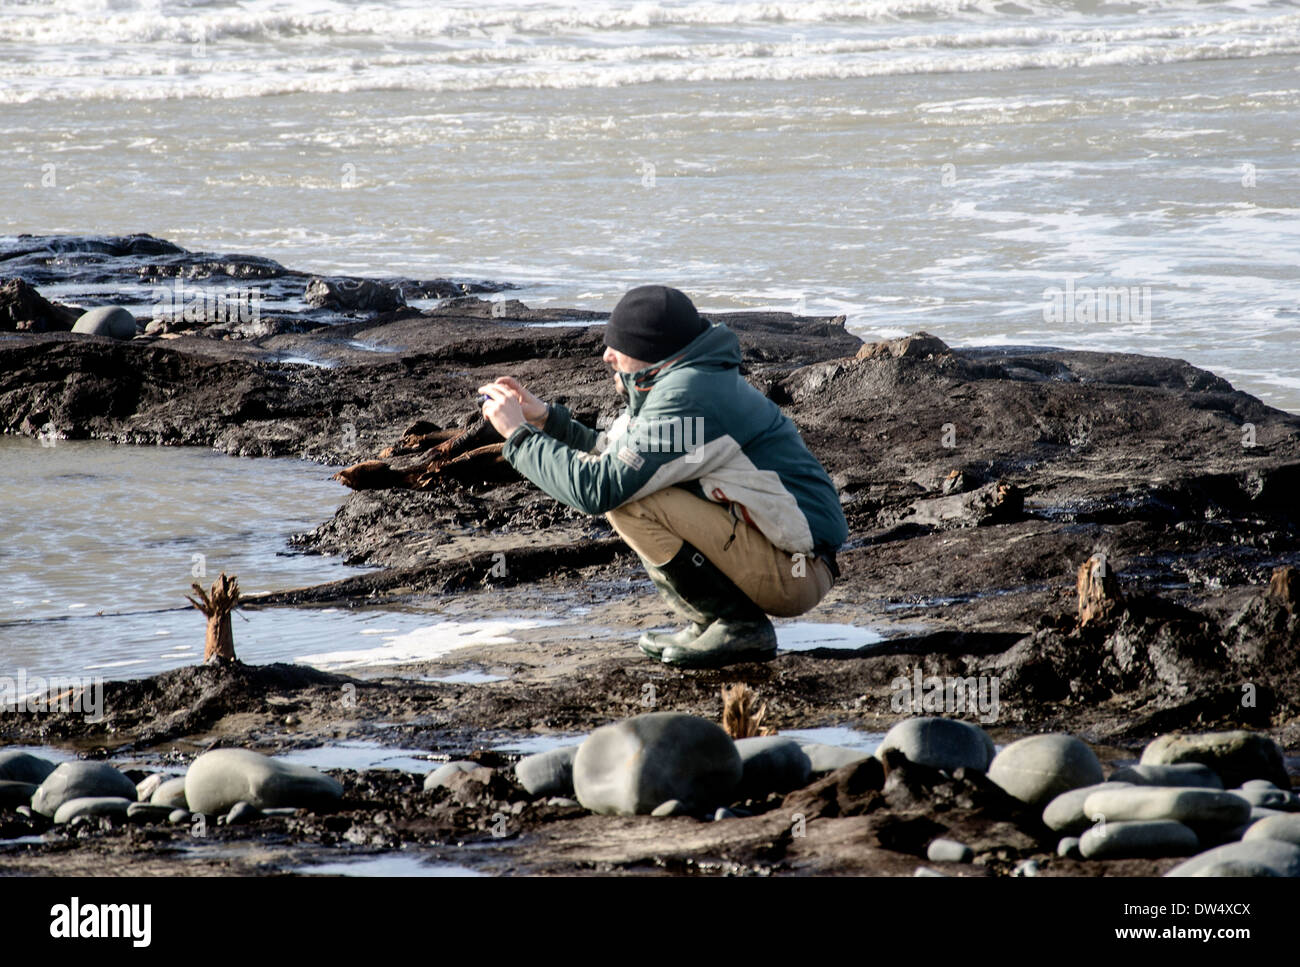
(161, 69)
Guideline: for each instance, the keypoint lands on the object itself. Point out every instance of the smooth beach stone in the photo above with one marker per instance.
(827, 758)
(1280, 799)
(1039, 768)
(1188, 774)
(948, 851)
(1027, 868)
(220, 778)
(1064, 814)
(940, 743)
(80, 780)
(548, 773)
(1236, 756)
(439, 776)
(673, 807)
(171, 793)
(1285, 828)
(630, 767)
(1256, 857)
(106, 321)
(147, 812)
(242, 812)
(1131, 840)
(723, 813)
(927, 871)
(178, 816)
(771, 763)
(1258, 784)
(15, 794)
(24, 767)
(1068, 848)
(1194, 807)
(115, 806)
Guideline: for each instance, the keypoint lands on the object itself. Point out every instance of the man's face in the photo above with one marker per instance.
(621, 363)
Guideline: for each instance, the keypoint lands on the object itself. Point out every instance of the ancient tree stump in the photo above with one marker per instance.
(1099, 596)
(1284, 587)
(217, 605)
(739, 718)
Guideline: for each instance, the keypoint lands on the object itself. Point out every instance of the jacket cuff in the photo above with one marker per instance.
(517, 437)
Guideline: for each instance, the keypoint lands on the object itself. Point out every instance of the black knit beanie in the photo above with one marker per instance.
(652, 322)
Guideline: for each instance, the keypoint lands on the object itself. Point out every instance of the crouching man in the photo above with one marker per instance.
(703, 477)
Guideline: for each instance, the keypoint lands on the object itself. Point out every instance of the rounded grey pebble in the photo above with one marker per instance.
(24, 767)
(948, 851)
(1142, 838)
(1038, 768)
(723, 813)
(1190, 774)
(771, 763)
(111, 321)
(940, 743)
(439, 776)
(1284, 827)
(630, 767)
(1258, 784)
(242, 812)
(827, 758)
(219, 779)
(562, 801)
(1257, 857)
(1068, 848)
(548, 773)
(1281, 800)
(14, 794)
(1193, 807)
(81, 780)
(87, 806)
(171, 792)
(1065, 814)
(673, 807)
(926, 871)
(144, 812)
(1027, 868)
(179, 816)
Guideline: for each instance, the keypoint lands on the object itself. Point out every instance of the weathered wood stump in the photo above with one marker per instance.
(740, 720)
(1099, 595)
(217, 605)
(1284, 587)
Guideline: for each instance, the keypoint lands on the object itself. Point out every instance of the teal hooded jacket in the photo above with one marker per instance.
(692, 421)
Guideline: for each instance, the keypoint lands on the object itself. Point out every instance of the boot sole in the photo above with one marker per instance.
(718, 660)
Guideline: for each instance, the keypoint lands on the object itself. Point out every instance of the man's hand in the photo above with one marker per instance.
(533, 409)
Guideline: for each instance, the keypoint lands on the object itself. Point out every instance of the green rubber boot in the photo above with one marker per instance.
(653, 643)
(726, 626)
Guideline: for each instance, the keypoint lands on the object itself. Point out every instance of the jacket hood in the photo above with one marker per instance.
(715, 348)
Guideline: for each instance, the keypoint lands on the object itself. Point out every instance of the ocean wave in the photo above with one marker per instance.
(1282, 29)
(422, 75)
(147, 24)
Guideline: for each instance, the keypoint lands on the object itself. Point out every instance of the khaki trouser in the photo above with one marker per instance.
(781, 584)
